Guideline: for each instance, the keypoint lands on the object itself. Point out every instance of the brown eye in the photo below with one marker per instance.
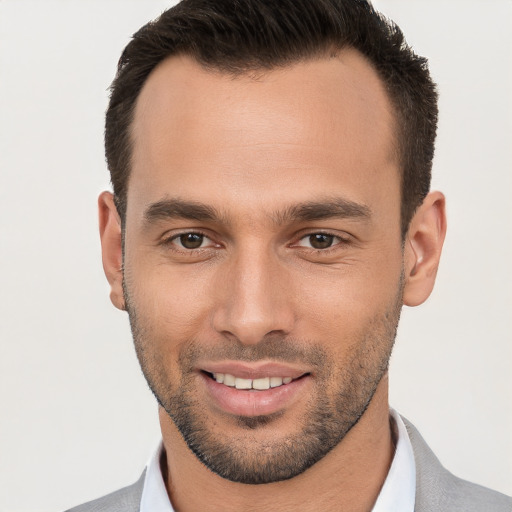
(191, 240)
(321, 241)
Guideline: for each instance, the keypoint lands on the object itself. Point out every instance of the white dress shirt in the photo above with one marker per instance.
(397, 494)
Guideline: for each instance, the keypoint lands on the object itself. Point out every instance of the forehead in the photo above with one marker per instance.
(303, 128)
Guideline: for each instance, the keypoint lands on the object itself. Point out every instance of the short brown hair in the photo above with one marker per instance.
(237, 36)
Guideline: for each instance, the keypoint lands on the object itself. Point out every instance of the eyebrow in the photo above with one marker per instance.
(180, 209)
(329, 208)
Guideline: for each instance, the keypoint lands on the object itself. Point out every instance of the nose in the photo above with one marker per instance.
(255, 299)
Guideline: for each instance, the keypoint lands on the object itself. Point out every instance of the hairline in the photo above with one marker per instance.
(256, 73)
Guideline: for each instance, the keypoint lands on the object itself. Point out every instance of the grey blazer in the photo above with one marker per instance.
(437, 490)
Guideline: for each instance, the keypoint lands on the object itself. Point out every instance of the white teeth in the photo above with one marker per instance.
(229, 380)
(259, 384)
(243, 383)
(275, 382)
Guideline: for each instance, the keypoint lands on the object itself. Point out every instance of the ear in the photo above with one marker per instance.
(111, 247)
(422, 250)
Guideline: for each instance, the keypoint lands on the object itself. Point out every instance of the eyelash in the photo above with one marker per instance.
(338, 240)
(169, 241)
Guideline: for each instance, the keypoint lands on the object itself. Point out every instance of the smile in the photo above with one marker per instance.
(249, 391)
(260, 384)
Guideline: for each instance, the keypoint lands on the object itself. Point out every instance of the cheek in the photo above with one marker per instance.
(177, 304)
(170, 305)
(341, 302)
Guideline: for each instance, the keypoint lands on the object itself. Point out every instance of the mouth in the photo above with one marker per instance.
(258, 384)
(242, 390)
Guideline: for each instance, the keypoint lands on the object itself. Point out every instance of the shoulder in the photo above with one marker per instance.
(126, 499)
(438, 490)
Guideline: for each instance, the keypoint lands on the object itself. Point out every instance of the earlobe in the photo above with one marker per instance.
(422, 249)
(111, 247)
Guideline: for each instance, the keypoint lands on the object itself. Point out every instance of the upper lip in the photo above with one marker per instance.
(254, 370)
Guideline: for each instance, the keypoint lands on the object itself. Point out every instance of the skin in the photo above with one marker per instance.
(252, 149)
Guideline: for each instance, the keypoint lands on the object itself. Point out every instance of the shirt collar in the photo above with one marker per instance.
(398, 492)
(154, 494)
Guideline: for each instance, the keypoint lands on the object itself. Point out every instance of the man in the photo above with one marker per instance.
(271, 215)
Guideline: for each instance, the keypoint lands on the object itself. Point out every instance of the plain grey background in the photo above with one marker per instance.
(76, 418)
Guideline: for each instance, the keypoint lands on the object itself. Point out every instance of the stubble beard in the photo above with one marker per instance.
(245, 458)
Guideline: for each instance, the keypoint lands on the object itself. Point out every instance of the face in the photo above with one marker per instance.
(263, 261)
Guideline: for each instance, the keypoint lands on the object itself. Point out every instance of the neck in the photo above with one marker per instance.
(349, 477)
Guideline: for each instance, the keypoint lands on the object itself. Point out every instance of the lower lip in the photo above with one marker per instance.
(251, 402)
